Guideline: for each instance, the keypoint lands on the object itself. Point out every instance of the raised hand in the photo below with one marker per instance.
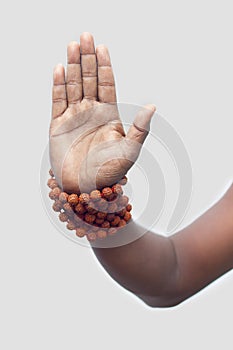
(88, 146)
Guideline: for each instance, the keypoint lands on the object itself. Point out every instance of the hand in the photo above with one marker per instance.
(87, 139)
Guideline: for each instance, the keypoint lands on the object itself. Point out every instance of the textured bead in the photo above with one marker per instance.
(117, 189)
(52, 183)
(121, 212)
(102, 234)
(102, 204)
(99, 221)
(68, 208)
(129, 207)
(91, 236)
(116, 221)
(105, 224)
(101, 215)
(49, 182)
(51, 173)
(110, 217)
(112, 208)
(84, 198)
(112, 231)
(91, 208)
(73, 199)
(80, 209)
(89, 218)
(54, 194)
(121, 223)
(71, 225)
(107, 192)
(63, 217)
(57, 206)
(80, 232)
(63, 197)
(123, 181)
(95, 195)
(123, 201)
(127, 216)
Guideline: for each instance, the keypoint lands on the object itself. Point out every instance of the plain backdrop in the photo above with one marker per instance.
(175, 54)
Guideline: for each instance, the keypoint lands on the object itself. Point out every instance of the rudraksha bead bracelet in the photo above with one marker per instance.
(94, 215)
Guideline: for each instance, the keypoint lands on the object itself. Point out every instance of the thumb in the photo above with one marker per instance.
(141, 125)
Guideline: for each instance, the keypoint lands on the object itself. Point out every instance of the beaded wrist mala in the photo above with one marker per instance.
(94, 215)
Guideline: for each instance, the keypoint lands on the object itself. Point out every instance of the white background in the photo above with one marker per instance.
(175, 54)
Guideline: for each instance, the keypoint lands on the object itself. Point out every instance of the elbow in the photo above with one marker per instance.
(161, 302)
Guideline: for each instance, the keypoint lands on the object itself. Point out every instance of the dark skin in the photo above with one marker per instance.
(162, 271)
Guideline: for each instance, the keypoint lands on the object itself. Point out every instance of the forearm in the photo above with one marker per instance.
(164, 271)
(204, 249)
(146, 266)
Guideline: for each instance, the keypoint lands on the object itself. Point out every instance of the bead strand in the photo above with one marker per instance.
(94, 215)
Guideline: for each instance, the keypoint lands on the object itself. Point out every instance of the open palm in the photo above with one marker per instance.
(88, 145)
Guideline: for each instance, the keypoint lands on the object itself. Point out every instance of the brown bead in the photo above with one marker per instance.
(110, 217)
(95, 195)
(129, 207)
(71, 225)
(105, 224)
(123, 201)
(63, 217)
(102, 234)
(91, 236)
(91, 208)
(51, 173)
(80, 232)
(84, 198)
(57, 205)
(68, 208)
(73, 199)
(107, 192)
(52, 183)
(63, 197)
(101, 215)
(112, 208)
(123, 181)
(117, 189)
(127, 216)
(99, 221)
(80, 209)
(49, 182)
(121, 212)
(116, 221)
(54, 194)
(89, 218)
(121, 223)
(102, 204)
(112, 231)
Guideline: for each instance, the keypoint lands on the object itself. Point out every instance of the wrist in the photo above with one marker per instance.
(97, 214)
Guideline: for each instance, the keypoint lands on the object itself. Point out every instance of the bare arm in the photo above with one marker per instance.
(85, 121)
(164, 271)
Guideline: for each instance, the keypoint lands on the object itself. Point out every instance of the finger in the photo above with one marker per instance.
(106, 84)
(59, 92)
(141, 125)
(89, 66)
(73, 75)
